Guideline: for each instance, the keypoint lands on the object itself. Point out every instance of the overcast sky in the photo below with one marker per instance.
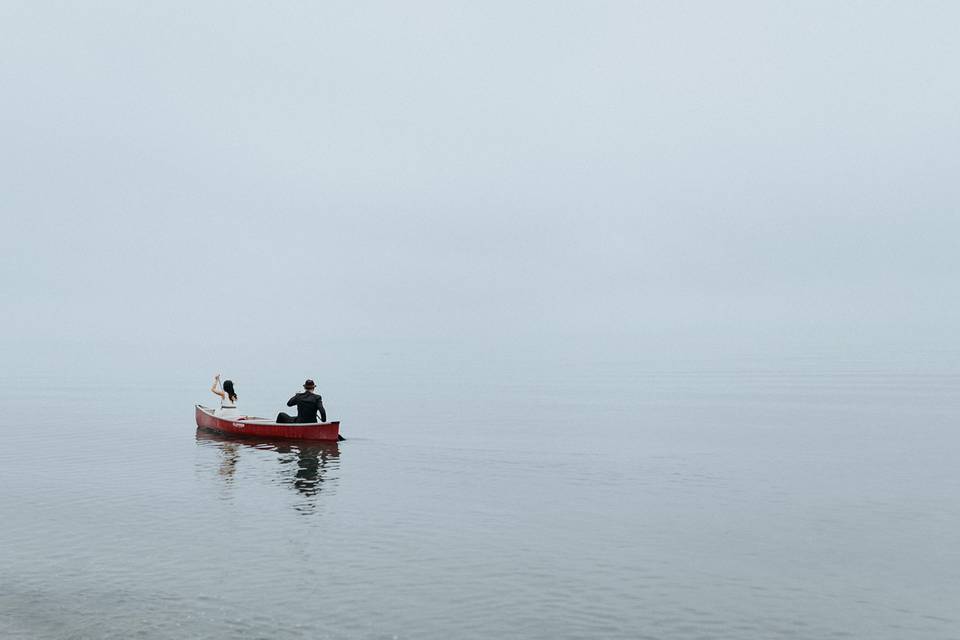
(616, 175)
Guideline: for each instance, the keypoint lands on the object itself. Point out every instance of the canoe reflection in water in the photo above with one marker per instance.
(304, 466)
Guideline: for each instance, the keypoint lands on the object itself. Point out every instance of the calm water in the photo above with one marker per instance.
(739, 501)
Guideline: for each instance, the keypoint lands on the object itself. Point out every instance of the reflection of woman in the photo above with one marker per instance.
(231, 455)
(228, 397)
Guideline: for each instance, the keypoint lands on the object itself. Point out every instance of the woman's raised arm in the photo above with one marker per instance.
(216, 381)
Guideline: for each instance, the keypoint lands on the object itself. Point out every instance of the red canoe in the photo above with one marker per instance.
(263, 428)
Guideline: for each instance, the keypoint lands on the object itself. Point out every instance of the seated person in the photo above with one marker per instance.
(308, 405)
(228, 398)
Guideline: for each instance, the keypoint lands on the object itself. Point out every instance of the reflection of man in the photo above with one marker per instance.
(308, 405)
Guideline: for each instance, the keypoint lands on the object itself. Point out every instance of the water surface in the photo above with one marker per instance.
(734, 500)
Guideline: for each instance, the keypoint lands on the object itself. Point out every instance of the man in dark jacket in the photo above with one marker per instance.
(308, 405)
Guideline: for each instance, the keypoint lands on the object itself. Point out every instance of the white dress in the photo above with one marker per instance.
(228, 407)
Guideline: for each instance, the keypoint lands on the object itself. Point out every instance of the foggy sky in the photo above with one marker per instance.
(617, 175)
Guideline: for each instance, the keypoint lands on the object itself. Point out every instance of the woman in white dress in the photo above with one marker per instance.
(228, 398)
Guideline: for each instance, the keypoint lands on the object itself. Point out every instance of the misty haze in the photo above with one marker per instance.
(639, 320)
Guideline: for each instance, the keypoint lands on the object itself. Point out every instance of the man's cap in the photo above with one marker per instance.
(309, 384)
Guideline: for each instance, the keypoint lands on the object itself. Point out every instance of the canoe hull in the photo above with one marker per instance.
(328, 431)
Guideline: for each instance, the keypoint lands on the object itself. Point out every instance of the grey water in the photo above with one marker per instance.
(732, 499)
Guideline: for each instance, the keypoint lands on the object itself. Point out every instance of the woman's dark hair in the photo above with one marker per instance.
(228, 388)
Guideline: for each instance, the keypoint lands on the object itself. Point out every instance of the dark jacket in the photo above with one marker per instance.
(308, 405)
